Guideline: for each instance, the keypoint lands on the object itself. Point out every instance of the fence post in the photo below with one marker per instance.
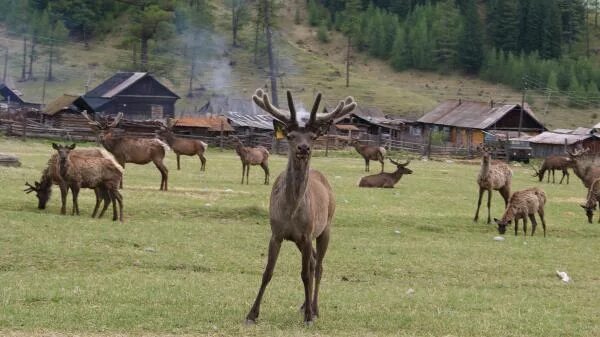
(379, 136)
(326, 145)
(429, 143)
(221, 135)
(565, 150)
(24, 135)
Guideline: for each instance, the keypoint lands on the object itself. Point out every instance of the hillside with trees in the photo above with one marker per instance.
(403, 56)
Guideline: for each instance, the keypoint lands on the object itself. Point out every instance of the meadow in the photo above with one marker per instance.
(407, 261)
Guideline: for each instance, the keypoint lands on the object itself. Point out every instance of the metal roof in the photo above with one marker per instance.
(14, 94)
(212, 123)
(554, 138)
(263, 122)
(470, 114)
(119, 82)
(63, 102)
(346, 127)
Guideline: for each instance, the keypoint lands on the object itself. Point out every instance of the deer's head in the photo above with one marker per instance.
(103, 128)
(502, 225)
(402, 167)
(301, 138)
(589, 210)
(63, 151)
(576, 154)
(166, 129)
(537, 173)
(42, 192)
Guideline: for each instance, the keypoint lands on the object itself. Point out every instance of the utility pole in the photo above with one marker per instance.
(44, 86)
(272, 70)
(522, 108)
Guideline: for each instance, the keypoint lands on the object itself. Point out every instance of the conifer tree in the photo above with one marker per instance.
(470, 44)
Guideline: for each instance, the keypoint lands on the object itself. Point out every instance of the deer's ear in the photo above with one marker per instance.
(72, 146)
(55, 146)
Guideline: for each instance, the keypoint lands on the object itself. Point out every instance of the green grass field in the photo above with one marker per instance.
(189, 261)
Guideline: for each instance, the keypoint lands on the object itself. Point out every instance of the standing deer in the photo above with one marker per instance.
(492, 177)
(587, 172)
(552, 163)
(384, 179)
(369, 152)
(523, 204)
(593, 196)
(302, 202)
(51, 175)
(183, 146)
(132, 149)
(90, 172)
(252, 156)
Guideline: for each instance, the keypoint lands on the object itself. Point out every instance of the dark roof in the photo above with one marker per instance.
(469, 114)
(13, 94)
(553, 138)
(118, 83)
(95, 102)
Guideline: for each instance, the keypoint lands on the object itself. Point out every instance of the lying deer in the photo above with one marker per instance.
(369, 152)
(183, 146)
(51, 175)
(384, 179)
(131, 149)
(302, 202)
(523, 204)
(252, 156)
(90, 172)
(552, 163)
(492, 177)
(593, 197)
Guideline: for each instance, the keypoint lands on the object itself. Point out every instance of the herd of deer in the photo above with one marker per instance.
(526, 203)
(302, 203)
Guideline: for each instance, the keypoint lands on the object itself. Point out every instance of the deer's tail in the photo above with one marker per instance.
(382, 151)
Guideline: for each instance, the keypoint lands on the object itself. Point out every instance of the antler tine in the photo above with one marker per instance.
(393, 161)
(30, 188)
(90, 121)
(261, 99)
(343, 108)
(291, 105)
(315, 109)
(407, 162)
(116, 121)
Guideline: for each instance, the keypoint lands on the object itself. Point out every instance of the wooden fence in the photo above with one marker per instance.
(29, 128)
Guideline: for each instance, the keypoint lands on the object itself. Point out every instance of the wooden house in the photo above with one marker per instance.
(65, 112)
(13, 98)
(139, 95)
(371, 122)
(466, 123)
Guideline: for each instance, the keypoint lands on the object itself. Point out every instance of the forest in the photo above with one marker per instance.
(526, 44)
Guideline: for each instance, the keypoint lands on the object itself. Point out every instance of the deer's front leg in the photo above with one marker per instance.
(274, 246)
(307, 278)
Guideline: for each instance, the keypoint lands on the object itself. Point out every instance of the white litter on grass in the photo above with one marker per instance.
(150, 249)
(449, 161)
(338, 177)
(498, 238)
(207, 205)
(229, 190)
(397, 231)
(563, 276)
(410, 291)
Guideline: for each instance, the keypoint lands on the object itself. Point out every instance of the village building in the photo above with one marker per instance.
(467, 124)
(138, 95)
(203, 126)
(242, 114)
(64, 112)
(557, 142)
(371, 123)
(13, 98)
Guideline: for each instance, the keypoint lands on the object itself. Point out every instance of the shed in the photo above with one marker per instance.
(139, 95)
(64, 112)
(464, 123)
(372, 121)
(553, 143)
(241, 113)
(203, 126)
(14, 98)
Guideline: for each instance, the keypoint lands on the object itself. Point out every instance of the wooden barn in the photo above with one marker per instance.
(465, 123)
(139, 95)
(370, 122)
(11, 97)
(556, 143)
(203, 126)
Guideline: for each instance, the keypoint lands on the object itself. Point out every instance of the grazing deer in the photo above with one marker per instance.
(587, 172)
(492, 177)
(593, 197)
(183, 146)
(51, 175)
(369, 152)
(132, 149)
(523, 204)
(90, 172)
(252, 156)
(384, 179)
(552, 163)
(302, 202)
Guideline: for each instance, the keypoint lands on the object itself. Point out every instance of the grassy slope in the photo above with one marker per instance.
(189, 261)
(306, 64)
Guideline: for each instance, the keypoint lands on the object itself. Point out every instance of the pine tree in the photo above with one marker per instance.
(552, 91)
(400, 57)
(376, 38)
(551, 34)
(470, 43)
(445, 28)
(575, 89)
(593, 94)
(503, 24)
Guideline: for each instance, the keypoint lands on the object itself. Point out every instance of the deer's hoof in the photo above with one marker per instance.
(309, 323)
(249, 322)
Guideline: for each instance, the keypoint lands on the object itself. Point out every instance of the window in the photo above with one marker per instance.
(156, 111)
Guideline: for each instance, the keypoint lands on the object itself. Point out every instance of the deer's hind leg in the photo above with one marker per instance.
(202, 161)
(533, 223)
(307, 275)
(274, 246)
(164, 174)
(489, 206)
(505, 193)
(265, 167)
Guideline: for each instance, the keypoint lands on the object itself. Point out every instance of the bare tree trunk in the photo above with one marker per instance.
(234, 20)
(192, 68)
(134, 56)
(31, 58)
(259, 11)
(24, 69)
(272, 67)
(144, 54)
(348, 63)
(50, 60)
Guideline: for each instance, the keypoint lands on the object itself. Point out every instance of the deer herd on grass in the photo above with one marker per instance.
(302, 203)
